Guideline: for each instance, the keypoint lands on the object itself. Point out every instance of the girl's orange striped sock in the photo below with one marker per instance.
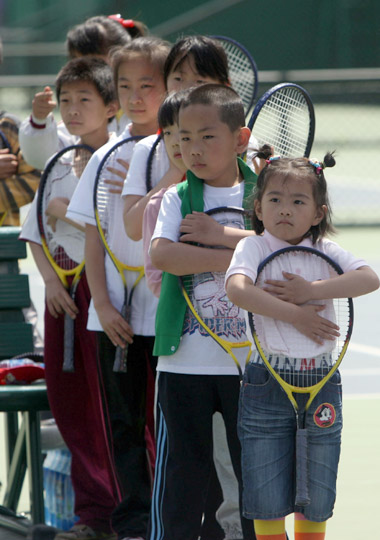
(308, 530)
(273, 529)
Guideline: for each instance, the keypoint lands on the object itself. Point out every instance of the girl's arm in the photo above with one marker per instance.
(242, 292)
(152, 274)
(56, 209)
(351, 284)
(58, 299)
(113, 324)
(134, 205)
(181, 259)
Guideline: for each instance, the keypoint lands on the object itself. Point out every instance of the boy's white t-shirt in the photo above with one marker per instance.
(135, 183)
(144, 303)
(71, 239)
(251, 251)
(38, 145)
(198, 353)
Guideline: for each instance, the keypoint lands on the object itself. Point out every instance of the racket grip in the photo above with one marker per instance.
(302, 491)
(120, 363)
(68, 344)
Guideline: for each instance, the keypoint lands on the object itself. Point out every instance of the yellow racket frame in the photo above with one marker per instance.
(289, 388)
(226, 345)
(119, 265)
(62, 274)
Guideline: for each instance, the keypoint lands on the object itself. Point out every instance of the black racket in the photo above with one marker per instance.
(298, 364)
(63, 245)
(242, 70)
(152, 156)
(284, 118)
(108, 208)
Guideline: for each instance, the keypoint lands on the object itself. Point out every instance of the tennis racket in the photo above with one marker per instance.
(207, 300)
(284, 118)
(152, 156)
(242, 69)
(108, 208)
(298, 364)
(64, 246)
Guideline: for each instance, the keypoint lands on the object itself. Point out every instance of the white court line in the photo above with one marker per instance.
(363, 372)
(365, 349)
(360, 396)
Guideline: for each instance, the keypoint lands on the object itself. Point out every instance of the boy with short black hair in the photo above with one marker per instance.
(87, 101)
(195, 377)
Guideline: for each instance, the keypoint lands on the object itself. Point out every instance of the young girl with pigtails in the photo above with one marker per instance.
(291, 208)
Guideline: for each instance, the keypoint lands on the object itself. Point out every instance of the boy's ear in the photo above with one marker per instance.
(243, 139)
(112, 109)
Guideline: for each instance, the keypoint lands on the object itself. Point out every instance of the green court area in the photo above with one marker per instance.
(354, 183)
(355, 514)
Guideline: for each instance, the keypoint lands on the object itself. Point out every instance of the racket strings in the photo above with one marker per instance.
(285, 120)
(63, 260)
(241, 73)
(242, 70)
(295, 357)
(64, 241)
(108, 207)
(108, 204)
(285, 124)
(81, 158)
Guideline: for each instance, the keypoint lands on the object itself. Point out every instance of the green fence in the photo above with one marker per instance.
(331, 47)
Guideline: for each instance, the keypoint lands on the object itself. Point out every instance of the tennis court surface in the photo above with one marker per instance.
(359, 471)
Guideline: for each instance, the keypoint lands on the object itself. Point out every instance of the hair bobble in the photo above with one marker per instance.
(272, 158)
(318, 166)
(126, 23)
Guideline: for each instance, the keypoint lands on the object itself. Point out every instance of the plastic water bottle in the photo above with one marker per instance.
(59, 494)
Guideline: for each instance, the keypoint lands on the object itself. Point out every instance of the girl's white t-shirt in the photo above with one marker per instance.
(135, 183)
(198, 353)
(144, 303)
(276, 336)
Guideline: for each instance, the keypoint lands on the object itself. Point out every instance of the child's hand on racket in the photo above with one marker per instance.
(114, 325)
(121, 173)
(313, 326)
(294, 288)
(58, 300)
(200, 228)
(43, 103)
(8, 163)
